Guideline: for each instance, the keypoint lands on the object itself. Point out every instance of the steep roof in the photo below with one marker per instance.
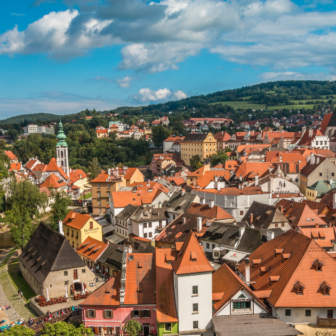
(332, 119)
(106, 295)
(77, 174)
(10, 155)
(40, 256)
(173, 138)
(227, 283)
(309, 136)
(140, 197)
(92, 248)
(15, 166)
(52, 167)
(76, 220)
(302, 252)
(140, 279)
(235, 191)
(178, 203)
(53, 181)
(322, 236)
(30, 163)
(195, 137)
(191, 258)
(310, 167)
(222, 136)
(39, 168)
(204, 210)
(252, 169)
(165, 298)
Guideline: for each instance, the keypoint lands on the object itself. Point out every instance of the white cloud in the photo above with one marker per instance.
(124, 82)
(291, 75)
(147, 95)
(157, 36)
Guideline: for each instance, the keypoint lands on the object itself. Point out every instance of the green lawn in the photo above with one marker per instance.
(19, 282)
(4, 262)
(86, 196)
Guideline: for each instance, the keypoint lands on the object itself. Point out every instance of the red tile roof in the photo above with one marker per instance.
(30, 164)
(77, 174)
(53, 181)
(52, 166)
(165, 298)
(325, 122)
(308, 137)
(252, 169)
(215, 212)
(297, 269)
(15, 166)
(191, 258)
(76, 220)
(10, 155)
(122, 198)
(140, 279)
(102, 131)
(92, 248)
(222, 136)
(172, 138)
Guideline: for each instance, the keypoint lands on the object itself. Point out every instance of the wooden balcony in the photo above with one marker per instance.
(326, 322)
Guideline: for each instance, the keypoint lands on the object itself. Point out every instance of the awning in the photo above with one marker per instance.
(234, 256)
(313, 330)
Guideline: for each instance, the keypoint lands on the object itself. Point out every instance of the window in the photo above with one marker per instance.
(167, 327)
(288, 312)
(145, 225)
(107, 314)
(296, 180)
(207, 245)
(65, 273)
(98, 186)
(213, 246)
(99, 194)
(146, 313)
(108, 186)
(91, 225)
(83, 270)
(99, 203)
(195, 307)
(109, 330)
(276, 224)
(308, 312)
(320, 174)
(242, 305)
(150, 234)
(66, 282)
(241, 213)
(195, 290)
(145, 235)
(135, 313)
(150, 224)
(91, 313)
(195, 324)
(332, 174)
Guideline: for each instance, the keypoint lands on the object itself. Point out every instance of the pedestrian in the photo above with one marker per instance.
(21, 294)
(19, 291)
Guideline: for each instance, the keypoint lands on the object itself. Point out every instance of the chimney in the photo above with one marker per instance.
(256, 181)
(199, 224)
(241, 231)
(184, 220)
(241, 178)
(130, 249)
(218, 186)
(123, 275)
(202, 200)
(270, 235)
(160, 204)
(212, 203)
(247, 271)
(60, 227)
(216, 178)
(251, 218)
(281, 208)
(183, 192)
(334, 200)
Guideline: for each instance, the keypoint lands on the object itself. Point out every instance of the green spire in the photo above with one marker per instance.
(61, 136)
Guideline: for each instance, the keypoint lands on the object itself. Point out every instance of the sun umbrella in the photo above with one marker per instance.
(47, 295)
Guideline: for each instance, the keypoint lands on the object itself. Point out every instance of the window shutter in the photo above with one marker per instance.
(132, 313)
(105, 329)
(96, 330)
(94, 313)
(111, 313)
(87, 313)
(149, 313)
(104, 313)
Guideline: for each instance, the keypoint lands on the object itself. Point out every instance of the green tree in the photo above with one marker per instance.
(132, 328)
(196, 162)
(59, 209)
(65, 329)
(219, 157)
(228, 150)
(94, 169)
(13, 133)
(159, 135)
(19, 330)
(22, 206)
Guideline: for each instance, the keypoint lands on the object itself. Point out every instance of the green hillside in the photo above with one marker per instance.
(30, 118)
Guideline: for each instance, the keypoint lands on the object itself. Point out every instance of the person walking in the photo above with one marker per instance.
(21, 295)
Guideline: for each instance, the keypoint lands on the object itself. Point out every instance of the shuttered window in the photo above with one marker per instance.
(108, 314)
(136, 313)
(146, 313)
(91, 313)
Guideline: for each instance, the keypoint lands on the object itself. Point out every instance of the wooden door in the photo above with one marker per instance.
(75, 275)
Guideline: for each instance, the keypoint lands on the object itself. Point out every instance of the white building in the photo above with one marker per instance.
(31, 129)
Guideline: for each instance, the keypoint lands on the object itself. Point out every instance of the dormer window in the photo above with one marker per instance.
(264, 270)
(318, 265)
(278, 251)
(256, 262)
(285, 256)
(299, 288)
(193, 256)
(325, 287)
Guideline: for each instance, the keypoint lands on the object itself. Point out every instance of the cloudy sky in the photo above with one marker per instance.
(62, 56)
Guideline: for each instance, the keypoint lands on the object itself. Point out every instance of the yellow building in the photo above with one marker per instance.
(204, 145)
(78, 227)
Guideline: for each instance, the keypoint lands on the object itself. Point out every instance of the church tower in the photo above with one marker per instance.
(62, 150)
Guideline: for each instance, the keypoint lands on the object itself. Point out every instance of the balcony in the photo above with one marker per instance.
(326, 322)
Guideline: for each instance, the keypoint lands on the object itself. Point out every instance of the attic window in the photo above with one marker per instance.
(273, 279)
(91, 247)
(278, 251)
(318, 265)
(139, 265)
(193, 256)
(256, 262)
(285, 256)
(264, 270)
(325, 287)
(299, 288)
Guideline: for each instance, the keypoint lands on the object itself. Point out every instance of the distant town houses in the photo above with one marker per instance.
(32, 129)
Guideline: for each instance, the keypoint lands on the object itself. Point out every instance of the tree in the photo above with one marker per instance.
(65, 329)
(228, 150)
(132, 328)
(13, 133)
(219, 157)
(159, 135)
(94, 169)
(195, 162)
(59, 209)
(19, 330)
(22, 206)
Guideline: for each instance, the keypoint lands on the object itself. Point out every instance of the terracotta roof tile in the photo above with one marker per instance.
(191, 258)
(215, 212)
(91, 248)
(10, 155)
(52, 166)
(53, 181)
(77, 174)
(15, 166)
(325, 122)
(122, 198)
(76, 220)
(30, 164)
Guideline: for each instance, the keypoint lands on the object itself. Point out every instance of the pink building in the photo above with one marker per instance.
(129, 295)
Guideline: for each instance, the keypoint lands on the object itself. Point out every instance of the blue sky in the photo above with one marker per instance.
(62, 56)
